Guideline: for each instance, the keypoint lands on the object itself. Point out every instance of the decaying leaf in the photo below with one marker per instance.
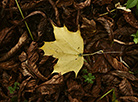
(21, 42)
(101, 2)
(51, 88)
(126, 88)
(67, 47)
(82, 4)
(128, 99)
(61, 3)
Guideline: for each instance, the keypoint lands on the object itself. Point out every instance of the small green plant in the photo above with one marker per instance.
(88, 77)
(85, 71)
(135, 37)
(132, 3)
(12, 89)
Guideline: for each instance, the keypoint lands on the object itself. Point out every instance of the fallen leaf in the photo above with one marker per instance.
(101, 2)
(67, 47)
(126, 88)
(128, 99)
(61, 3)
(28, 62)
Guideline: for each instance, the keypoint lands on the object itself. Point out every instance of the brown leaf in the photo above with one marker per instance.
(23, 57)
(51, 88)
(76, 91)
(102, 2)
(73, 99)
(95, 41)
(115, 63)
(57, 79)
(126, 88)
(56, 12)
(129, 17)
(88, 27)
(31, 84)
(110, 80)
(124, 74)
(100, 65)
(10, 64)
(29, 67)
(25, 6)
(3, 95)
(16, 48)
(71, 82)
(125, 30)
(108, 26)
(5, 79)
(61, 3)
(96, 89)
(3, 35)
(4, 3)
(128, 99)
(30, 87)
(24, 70)
(82, 4)
(22, 87)
(70, 17)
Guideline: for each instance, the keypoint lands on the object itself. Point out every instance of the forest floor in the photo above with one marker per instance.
(26, 73)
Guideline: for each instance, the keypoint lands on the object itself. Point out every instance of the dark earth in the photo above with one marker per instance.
(26, 74)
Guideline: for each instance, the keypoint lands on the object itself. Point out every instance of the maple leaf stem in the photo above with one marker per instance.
(97, 52)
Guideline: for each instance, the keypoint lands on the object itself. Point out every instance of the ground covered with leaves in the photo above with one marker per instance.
(26, 73)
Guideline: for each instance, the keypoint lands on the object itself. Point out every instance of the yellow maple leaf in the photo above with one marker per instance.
(67, 48)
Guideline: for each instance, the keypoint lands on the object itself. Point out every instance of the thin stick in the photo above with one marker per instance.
(100, 52)
(24, 21)
(107, 12)
(123, 43)
(97, 52)
(107, 93)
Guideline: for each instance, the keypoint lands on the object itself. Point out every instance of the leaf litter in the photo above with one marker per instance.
(22, 61)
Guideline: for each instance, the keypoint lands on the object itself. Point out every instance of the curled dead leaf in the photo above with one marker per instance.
(110, 80)
(126, 88)
(82, 4)
(129, 99)
(51, 88)
(124, 74)
(129, 17)
(65, 3)
(29, 66)
(102, 2)
(21, 42)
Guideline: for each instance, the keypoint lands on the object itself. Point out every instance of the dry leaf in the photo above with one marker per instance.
(67, 47)
(126, 88)
(128, 99)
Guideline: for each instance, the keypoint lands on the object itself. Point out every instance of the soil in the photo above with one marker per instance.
(26, 73)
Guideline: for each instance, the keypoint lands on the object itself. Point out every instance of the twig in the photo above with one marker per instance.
(123, 43)
(24, 21)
